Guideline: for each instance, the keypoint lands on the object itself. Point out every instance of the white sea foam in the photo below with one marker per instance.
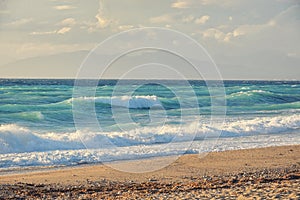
(16, 139)
(74, 157)
(264, 125)
(249, 93)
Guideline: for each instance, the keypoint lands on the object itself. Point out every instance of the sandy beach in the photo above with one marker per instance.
(119, 99)
(263, 173)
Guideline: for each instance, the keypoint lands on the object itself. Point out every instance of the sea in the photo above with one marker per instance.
(43, 124)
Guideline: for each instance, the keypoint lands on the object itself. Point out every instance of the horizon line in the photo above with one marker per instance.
(139, 79)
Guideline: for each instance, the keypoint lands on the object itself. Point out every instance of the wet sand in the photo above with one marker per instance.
(272, 172)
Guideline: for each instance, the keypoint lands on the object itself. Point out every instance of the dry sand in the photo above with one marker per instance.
(265, 173)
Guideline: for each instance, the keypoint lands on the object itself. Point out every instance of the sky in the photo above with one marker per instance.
(246, 39)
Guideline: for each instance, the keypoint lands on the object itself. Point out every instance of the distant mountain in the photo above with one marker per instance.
(158, 66)
(64, 65)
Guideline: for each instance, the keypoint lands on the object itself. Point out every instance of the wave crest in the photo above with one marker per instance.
(14, 138)
(132, 102)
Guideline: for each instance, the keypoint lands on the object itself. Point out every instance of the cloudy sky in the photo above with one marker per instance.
(257, 39)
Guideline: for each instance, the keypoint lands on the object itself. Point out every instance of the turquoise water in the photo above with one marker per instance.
(37, 115)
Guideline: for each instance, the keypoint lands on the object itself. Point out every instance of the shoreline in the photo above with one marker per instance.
(37, 169)
(176, 158)
(224, 145)
(228, 171)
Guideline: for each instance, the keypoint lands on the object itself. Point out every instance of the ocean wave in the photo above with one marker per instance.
(263, 125)
(260, 97)
(29, 116)
(267, 108)
(14, 138)
(250, 93)
(133, 102)
(83, 156)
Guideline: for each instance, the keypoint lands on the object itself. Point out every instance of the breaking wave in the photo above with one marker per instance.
(14, 138)
(133, 102)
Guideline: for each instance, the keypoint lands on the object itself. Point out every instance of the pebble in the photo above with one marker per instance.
(265, 184)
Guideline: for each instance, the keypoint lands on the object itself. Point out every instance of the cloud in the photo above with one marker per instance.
(217, 34)
(180, 4)
(189, 18)
(237, 32)
(251, 29)
(63, 30)
(43, 33)
(20, 22)
(64, 7)
(102, 21)
(32, 49)
(279, 21)
(202, 20)
(125, 27)
(161, 19)
(67, 22)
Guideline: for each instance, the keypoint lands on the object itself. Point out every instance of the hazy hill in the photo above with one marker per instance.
(59, 66)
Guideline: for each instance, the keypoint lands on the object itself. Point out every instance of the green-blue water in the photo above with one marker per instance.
(37, 115)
